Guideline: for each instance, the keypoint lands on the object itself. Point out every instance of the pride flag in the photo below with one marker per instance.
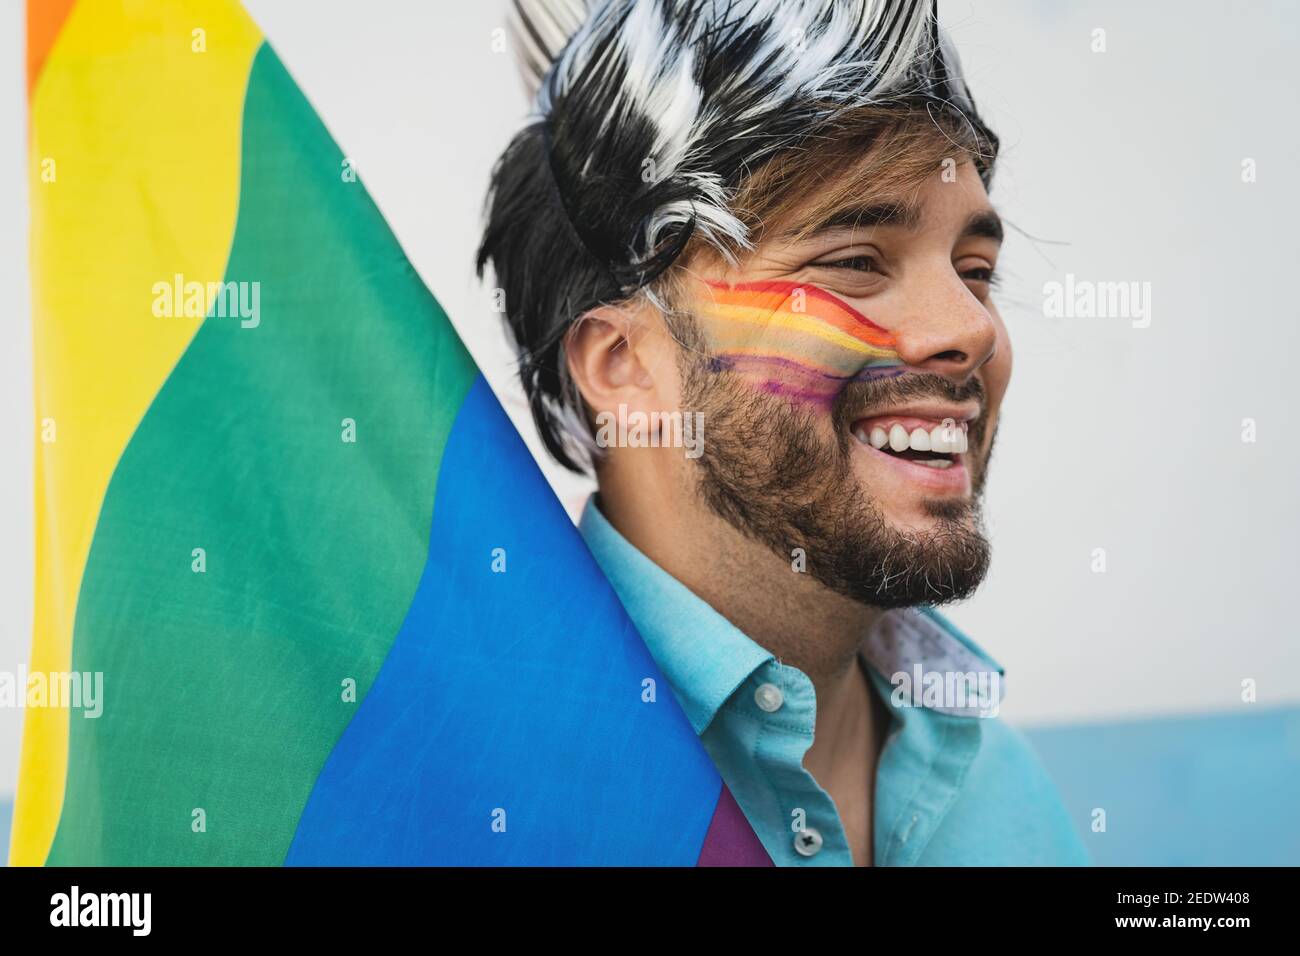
(338, 613)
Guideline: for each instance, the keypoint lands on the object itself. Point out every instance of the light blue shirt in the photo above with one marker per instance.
(955, 786)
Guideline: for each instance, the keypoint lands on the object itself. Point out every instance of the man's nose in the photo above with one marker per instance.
(946, 329)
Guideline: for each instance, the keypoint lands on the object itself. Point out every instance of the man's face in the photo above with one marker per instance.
(819, 354)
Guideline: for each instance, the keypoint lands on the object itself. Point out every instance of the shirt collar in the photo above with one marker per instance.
(705, 657)
(918, 648)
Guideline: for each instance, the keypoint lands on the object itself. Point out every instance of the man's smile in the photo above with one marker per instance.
(927, 446)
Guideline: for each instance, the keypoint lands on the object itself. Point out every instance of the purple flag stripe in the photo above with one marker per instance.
(730, 840)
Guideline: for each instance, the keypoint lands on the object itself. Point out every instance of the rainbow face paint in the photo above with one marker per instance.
(793, 339)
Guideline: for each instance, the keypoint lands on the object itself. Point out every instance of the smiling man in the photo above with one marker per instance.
(773, 218)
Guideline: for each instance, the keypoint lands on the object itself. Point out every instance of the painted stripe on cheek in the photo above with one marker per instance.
(793, 339)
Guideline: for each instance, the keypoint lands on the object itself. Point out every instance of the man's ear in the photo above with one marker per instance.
(612, 357)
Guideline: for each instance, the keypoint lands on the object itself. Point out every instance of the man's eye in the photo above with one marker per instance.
(982, 274)
(857, 263)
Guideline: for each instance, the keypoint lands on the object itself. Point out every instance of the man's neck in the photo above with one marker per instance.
(784, 610)
(800, 622)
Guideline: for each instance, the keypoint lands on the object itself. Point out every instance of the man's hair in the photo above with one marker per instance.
(666, 128)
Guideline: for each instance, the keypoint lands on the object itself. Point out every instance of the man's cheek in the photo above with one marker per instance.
(793, 340)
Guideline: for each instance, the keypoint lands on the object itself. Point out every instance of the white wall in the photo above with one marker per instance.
(1124, 164)
(1130, 439)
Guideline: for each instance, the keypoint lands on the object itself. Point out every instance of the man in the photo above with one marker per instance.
(758, 236)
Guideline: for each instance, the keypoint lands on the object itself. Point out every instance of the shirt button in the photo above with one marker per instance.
(769, 697)
(807, 842)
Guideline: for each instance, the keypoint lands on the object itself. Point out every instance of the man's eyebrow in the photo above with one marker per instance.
(986, 223)
(888, 213)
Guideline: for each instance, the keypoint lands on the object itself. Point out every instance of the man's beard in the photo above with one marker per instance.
(769, 472)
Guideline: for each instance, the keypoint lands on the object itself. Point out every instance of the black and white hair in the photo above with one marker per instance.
(648, 114)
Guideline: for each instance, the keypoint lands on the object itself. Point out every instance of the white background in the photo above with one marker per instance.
(1124, 165)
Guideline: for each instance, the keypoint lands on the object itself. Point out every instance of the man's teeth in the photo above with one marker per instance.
(944, 439)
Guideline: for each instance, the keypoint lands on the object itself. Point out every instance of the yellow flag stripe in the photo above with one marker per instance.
(135, 165)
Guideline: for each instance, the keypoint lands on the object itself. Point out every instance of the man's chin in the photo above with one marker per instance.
(926, 516)
(934, 559)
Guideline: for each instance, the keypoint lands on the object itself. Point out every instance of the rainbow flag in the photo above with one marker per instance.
(338, 614)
